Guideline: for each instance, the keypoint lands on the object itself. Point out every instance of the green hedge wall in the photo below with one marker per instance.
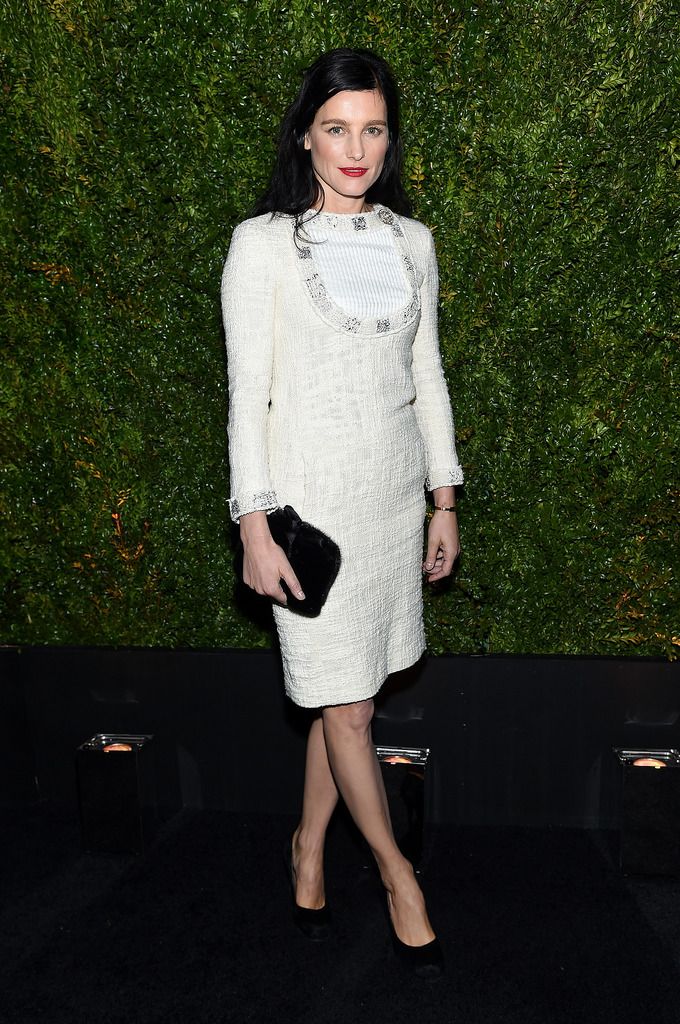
(543, 147)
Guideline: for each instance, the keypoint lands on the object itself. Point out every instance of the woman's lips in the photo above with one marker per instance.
(354, 172)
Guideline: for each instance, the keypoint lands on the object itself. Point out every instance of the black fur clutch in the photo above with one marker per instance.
(315, 558)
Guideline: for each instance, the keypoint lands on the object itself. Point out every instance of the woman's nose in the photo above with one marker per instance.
(355, 147)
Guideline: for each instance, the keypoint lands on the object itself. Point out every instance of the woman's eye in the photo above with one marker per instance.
(335, 130)
(374, 130)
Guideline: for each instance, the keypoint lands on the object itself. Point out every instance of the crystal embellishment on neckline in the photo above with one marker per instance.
(387, 217)
(358, 221)
(325, 306)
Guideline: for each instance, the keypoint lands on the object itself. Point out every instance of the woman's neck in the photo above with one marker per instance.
(352, 208)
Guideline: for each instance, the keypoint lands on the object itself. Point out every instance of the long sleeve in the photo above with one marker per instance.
(248, 313)
(432, 405)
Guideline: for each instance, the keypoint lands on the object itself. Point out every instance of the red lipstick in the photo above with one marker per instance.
(353, 172)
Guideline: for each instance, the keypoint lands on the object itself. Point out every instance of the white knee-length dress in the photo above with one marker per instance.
(346, 418)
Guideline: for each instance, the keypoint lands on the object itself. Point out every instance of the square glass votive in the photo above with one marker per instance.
(404, 773)
(650, 811)
(116, 791)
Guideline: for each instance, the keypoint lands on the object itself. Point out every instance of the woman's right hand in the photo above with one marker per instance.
(264, 562)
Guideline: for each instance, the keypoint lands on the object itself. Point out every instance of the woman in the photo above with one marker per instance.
(338, 407)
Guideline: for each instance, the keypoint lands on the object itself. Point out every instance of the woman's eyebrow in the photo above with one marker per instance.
(339, 120)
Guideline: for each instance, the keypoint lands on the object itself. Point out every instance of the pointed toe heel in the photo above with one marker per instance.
(315, 925)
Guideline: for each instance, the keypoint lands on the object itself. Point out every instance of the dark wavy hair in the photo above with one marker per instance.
(293, 187)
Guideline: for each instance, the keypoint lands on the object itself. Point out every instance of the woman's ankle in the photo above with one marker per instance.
(307, 863)
(307, 843)
(397, 873)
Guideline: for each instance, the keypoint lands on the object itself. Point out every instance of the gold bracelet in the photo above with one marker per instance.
(445, 508)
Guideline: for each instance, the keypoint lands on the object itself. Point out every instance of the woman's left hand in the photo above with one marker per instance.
(443, 546)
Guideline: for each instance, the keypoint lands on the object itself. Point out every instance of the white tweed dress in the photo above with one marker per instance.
(347, 418)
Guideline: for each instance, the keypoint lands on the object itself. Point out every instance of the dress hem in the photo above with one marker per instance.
(400, 666)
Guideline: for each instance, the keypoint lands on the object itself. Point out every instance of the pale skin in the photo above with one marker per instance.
(349, 131)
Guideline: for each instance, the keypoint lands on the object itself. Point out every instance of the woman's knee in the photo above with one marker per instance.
(353, 718)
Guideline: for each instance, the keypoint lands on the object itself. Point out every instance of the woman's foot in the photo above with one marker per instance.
(313, 923)
(406, 905)
(307, 865)
(413, 938)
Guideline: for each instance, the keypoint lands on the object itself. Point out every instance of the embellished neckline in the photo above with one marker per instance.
(326, 307)
(348, 221)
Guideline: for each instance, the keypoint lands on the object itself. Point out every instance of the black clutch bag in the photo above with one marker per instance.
(315, 558)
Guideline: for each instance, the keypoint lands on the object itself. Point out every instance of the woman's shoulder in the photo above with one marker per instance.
(418, 236)
(261, 233)
(416, 231)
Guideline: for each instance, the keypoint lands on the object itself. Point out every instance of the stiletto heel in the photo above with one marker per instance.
(314, 924)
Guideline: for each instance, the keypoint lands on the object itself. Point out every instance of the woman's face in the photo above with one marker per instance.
(348, 141)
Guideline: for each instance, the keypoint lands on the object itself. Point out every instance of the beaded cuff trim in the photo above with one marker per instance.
(445, 478)
(260, 502)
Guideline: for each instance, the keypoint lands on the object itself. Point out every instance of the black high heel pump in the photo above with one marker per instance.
(425, 962)
(314, 924)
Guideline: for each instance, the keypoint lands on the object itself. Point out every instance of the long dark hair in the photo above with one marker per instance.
(293, 187)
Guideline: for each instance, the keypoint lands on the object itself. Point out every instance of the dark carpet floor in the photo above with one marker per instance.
(539, 927)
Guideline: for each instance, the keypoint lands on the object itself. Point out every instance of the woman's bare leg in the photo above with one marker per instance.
(357, 775)
(318, 803)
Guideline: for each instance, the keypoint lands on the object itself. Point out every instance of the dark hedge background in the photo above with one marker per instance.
(543, 148)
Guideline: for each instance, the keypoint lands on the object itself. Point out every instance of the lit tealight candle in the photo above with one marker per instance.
(649, 762)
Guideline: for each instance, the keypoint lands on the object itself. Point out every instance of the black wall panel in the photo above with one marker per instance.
(514, 740)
